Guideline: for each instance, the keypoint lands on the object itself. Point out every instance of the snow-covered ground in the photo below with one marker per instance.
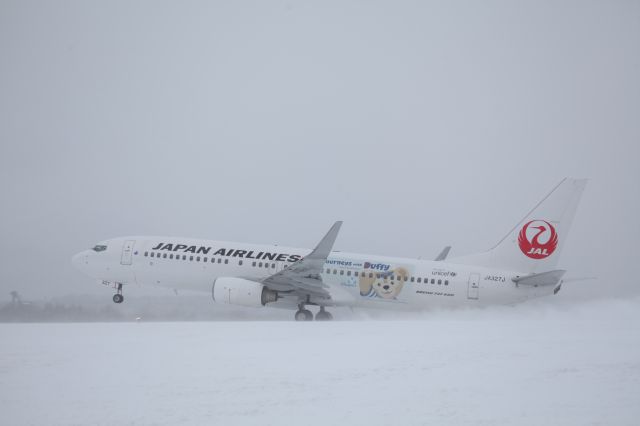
(530, 364)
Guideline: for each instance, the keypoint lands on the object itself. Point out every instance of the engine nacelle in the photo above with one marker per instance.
(238, 291)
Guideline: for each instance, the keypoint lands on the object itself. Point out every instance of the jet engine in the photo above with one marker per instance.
(238, 291)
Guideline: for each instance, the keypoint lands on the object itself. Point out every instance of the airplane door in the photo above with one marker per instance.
(127, 252)
(474, 286)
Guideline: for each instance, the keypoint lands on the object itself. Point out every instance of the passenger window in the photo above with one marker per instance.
(164, 255)
(341, 272)
(439, 282)
(226, 261)
(419, 279)
(171, 256)
(348, 273)
(198, 259)
(328, 271)
(184, 257)
(370, 274)
(355, 274)
(412, 279)
(273, 265)
(335, 271)
(146, 253)
(220, 260)
(260, 265)
(204, 259)
(433, 281)
(253, 264)
(152, 254)
(446, 282)
(240, 262)
(406, 278)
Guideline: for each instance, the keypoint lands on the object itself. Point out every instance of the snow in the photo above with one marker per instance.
(529, 364)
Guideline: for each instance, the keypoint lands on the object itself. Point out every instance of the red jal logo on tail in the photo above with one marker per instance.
(534, 247)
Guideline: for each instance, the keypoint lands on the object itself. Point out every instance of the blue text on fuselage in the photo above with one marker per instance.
(376, 266)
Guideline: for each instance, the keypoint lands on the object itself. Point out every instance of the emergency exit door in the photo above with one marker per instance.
(474, 286)
(127, 252)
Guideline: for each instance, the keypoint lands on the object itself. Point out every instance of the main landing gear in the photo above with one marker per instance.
(118, 297)
(323, 315)
(303, 314)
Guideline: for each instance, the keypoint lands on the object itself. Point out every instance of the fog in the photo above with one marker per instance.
(419, 124)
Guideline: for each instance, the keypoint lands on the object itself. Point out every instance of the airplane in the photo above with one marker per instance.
(521, 266)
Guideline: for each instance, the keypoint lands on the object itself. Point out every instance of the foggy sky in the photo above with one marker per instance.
(419, 124)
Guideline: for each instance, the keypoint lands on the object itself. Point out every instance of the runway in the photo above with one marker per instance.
(526, 365)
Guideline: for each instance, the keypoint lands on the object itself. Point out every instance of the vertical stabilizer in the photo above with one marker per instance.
(535, 243)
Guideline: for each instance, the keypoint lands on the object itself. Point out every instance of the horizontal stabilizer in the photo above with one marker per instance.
(443, 254)
(541, 279)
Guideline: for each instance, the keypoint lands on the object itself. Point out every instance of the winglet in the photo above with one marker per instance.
(443, 254)
(304, 276)
(325, 245)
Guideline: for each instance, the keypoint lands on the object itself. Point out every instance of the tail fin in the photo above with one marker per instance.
(535, 243)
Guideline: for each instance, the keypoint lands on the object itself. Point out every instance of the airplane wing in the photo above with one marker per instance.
(304, 276)
(443, 254)
(541, 279)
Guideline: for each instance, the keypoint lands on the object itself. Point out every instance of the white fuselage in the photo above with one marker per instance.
(353, 279)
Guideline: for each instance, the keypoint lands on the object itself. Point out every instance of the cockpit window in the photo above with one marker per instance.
(99, 248)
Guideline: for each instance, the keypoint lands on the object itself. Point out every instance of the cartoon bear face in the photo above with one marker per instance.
(388, 286)
(385, 286)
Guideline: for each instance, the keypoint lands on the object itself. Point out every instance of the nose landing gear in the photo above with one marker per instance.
(118, 297)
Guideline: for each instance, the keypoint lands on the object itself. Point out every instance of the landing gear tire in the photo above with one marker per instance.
(118, 297)
(304, 315)
(323, 315)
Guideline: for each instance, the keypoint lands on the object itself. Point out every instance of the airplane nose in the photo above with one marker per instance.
(79, 261)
